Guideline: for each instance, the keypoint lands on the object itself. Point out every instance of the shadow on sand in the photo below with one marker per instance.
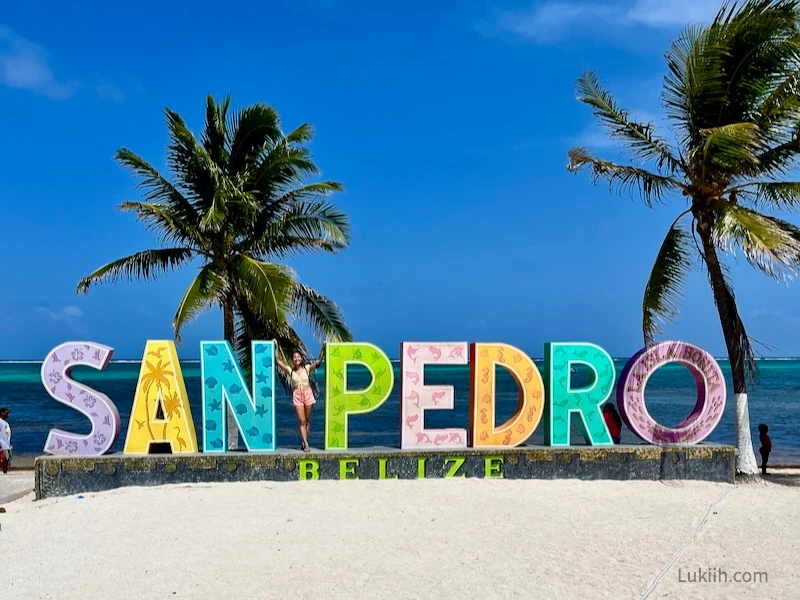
(790, 479)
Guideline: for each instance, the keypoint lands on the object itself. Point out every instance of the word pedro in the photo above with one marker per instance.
(161, 414)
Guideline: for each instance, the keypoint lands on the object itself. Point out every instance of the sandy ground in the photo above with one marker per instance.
(403, 539)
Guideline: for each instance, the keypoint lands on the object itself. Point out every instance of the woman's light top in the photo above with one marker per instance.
(300, 378)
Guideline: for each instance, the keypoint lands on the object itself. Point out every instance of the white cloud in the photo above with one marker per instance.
(545, 22)
(668, 13)
(771, 313)
(71, 311)
(550, 20)
(69, 315)
(593, 138)
(108, 91)
(24, 66)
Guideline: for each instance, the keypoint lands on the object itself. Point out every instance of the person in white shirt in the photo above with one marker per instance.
(5, 438)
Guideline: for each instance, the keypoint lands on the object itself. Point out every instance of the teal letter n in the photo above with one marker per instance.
(225, 389)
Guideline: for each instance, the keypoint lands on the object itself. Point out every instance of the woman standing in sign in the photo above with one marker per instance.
(302, 396)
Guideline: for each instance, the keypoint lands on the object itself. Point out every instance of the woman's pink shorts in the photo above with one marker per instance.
(303, 397)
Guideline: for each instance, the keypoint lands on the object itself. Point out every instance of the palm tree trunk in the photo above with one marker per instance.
(229, 332)
(733, 333)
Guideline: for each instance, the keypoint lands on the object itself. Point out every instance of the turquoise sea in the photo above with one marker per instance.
(775, 400)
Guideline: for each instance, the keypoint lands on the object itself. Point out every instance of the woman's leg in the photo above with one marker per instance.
(308, 408)
(301, 424)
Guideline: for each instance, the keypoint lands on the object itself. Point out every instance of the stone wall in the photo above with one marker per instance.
(60, 476)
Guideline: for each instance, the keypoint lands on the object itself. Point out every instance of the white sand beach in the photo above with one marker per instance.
(403, 539)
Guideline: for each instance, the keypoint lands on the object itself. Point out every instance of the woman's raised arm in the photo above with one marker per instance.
(318, 362)
(282, 365)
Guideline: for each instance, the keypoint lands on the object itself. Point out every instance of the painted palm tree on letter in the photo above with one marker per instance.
(238, 201)
(731, 97)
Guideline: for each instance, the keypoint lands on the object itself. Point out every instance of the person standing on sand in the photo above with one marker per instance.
(766, 446)
(302, 396)
(5, 439)
(613, 422)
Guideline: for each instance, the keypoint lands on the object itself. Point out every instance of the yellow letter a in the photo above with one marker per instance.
(161, 412)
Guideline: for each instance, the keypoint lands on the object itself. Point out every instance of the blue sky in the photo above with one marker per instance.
(448, 124)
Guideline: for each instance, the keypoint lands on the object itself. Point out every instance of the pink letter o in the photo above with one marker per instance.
(711, 393)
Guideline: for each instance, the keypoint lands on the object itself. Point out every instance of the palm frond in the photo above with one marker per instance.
(157, 188)
(268, 285)
(230, 206)
(731, 146)
(215, 130)
(695, 83)
(283, 165)
(301, 135)
(252, 132)
(770, 245)
(758, 41)
(167, 223)
(142, 265)
(779, 159)
(780, 110)
(783, 195)
(275, 207)
(312, 191)
(638, 137)
(664, 289)
(250, 327)
(195, 167)
(718, 73)
(321, 314)
(205, 290)
(651, 186)
(303, 227)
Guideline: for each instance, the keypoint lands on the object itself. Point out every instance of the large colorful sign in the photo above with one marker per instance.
(161, 415)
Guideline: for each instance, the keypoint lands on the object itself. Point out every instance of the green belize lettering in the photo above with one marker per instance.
(420, 467)
(347, 467)
(309, 469)
(382, 470)
(456, 461)
(494, 467)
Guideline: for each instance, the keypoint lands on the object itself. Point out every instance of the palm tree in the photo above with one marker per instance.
(238, 200)
(730, 96)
